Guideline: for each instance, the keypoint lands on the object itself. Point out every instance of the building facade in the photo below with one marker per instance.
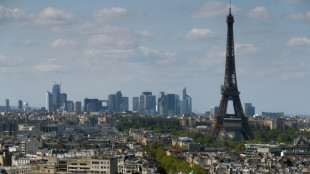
(186, 103)
(56, 97)
(49, 102)
(162, 104)
(147, 103)
(249, 110)
(20, 105)
(92, 105)
(135, 104)
(77, 106)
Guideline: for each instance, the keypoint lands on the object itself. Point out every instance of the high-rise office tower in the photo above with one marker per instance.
(92, 105)
(112, 102)
(172, 104)
(186, 103)
(236, 124)
(7, 105)
(77, 106)
(214, 110)
(20, 105)
(135, 104)
(69, 106)
(63, 99)
(249, 109)
(147, 103)
(179, 105)
(162, 104)
(49, 102)
(56, 97)
(26, 106)
(119, 101)
(125, 104)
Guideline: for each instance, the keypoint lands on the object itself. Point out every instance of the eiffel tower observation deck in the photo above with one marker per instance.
(226, 126)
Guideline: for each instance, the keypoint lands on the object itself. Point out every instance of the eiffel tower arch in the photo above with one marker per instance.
(230, 126)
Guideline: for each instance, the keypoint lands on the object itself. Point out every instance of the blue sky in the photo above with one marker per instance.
(96, 48)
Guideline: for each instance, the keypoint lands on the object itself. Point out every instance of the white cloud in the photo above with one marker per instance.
(298, 41)
(293, 75)
(259, 12)
(49, 66)
(110, 46)
(286, 53)
(112, 42)
(106, 15)
(299, 16)
(27, 42)
(159, 57)
(294, 16)
(16, 14)
(308, 15)
(51, 15)
(2, 57)
(10, 60)
(1, 27)
(108, 53)
(212, 9)
(242, 49)
(93, 28)
(199, 33)
(214, 56)
(63, 43)
(291, 1)
(144, 33)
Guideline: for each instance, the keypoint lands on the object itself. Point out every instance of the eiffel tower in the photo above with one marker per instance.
(231, 126)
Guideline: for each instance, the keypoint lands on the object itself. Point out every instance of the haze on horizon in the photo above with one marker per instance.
(101, 47)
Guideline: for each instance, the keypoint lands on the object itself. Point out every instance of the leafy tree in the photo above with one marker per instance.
(198, 169)
(240, 146)
(167, 163)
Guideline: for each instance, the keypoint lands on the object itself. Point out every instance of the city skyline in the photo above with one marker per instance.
(156, 46)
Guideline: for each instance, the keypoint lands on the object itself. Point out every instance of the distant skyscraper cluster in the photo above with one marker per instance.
(20, 106)
(118, 103)
(57, 101)
(148, 103)
(168, 104)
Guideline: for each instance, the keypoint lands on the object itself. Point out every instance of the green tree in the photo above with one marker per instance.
(240, 146)
(198, 169)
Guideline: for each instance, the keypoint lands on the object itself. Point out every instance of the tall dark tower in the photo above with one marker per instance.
(231, 126)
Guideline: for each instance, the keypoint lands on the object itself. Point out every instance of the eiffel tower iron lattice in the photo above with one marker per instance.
(235, 124)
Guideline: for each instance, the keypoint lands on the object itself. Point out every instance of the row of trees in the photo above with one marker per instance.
(172, 127)
(275, 135)
(264, 135)
(172, 164)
